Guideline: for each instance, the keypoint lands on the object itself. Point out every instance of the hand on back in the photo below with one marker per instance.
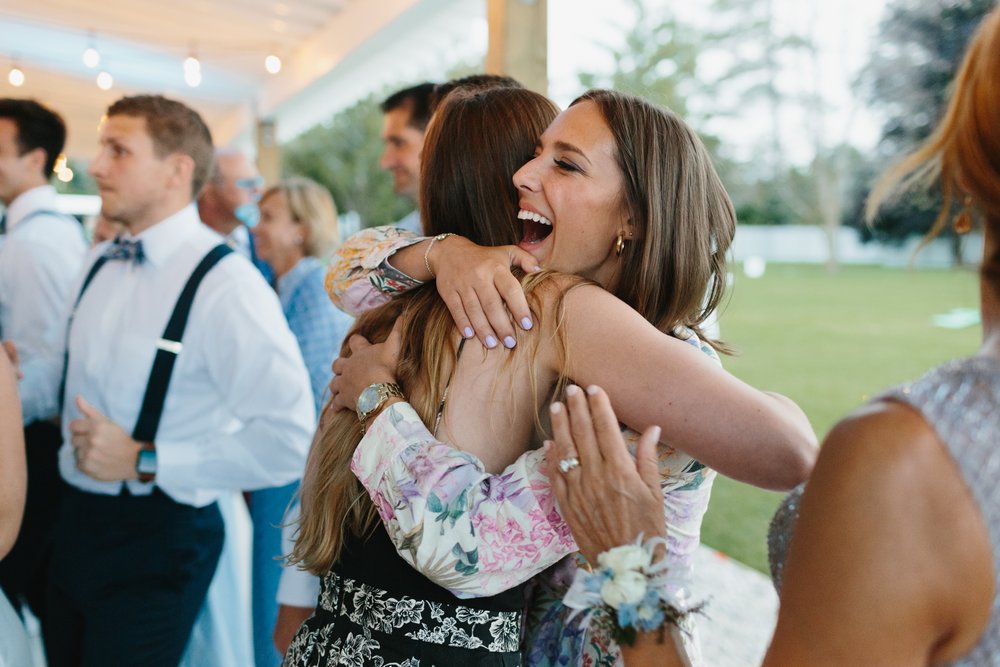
(476, 283)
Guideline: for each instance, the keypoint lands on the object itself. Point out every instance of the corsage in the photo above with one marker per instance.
(629, 593)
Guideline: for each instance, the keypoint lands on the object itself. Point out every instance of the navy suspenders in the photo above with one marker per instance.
(168, 346)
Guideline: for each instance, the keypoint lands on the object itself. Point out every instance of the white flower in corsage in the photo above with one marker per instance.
(629, 593)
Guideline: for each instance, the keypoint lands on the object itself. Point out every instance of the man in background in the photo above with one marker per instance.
(41, 254)
(228, 202)
(159, 421)
(406, 114)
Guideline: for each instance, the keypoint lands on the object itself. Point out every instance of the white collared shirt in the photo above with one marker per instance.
(240, 241)
(39, 261)
(238, 411)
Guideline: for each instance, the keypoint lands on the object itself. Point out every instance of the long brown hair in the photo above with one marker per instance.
(474, 144)
(674, 271)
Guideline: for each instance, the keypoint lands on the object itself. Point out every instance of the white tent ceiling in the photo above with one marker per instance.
(143, 43)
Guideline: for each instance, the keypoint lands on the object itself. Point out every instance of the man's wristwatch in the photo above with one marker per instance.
(374, 397)
(145, 463)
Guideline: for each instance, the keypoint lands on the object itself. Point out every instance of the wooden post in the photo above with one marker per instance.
(518, 41)
(268, 151)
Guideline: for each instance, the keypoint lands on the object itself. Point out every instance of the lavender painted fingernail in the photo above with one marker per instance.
(572, 390)
(468, 332)
(509, 342)
(526, 323)
(491, 342)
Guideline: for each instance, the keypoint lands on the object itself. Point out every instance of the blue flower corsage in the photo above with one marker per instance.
(629, 593)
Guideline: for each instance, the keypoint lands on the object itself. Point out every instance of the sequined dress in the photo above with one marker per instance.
(961, 401)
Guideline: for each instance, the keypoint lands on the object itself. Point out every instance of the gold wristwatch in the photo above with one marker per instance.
(374, 397)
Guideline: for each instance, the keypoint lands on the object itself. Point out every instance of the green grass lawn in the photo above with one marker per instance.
(829, 342)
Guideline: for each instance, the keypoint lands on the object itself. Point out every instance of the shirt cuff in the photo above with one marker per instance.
(298, 588)
(383, 442)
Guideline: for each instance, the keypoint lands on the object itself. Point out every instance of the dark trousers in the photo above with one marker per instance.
(127, 578)
(23, 571)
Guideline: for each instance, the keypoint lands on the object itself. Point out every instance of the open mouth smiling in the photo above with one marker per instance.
(536, 227)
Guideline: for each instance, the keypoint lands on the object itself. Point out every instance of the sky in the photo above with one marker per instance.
(843, 32)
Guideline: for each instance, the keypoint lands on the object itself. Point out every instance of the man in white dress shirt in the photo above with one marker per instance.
(139, 535)
(40, 256)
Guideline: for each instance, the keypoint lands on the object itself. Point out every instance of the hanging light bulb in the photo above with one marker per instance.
(15, 76)
(272, 64)
(192, 68)
(192, 77)
(91, 58)
(105, 80)
(65, 175)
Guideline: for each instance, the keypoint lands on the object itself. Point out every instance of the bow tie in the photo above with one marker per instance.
(127, 249)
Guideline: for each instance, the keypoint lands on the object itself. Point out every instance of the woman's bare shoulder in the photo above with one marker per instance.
(887, 534)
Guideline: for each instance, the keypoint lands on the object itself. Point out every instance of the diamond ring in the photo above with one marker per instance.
(565, 465)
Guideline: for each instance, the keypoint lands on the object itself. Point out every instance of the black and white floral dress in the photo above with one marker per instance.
(375, 610)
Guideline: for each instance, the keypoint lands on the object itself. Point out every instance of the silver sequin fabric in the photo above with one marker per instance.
(961, 401)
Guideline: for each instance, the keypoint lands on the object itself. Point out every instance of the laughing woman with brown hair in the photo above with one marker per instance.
(630, 196)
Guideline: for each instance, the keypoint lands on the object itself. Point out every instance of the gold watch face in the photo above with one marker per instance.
(369, 399)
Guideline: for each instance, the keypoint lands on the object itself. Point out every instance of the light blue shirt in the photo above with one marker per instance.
(318, 325)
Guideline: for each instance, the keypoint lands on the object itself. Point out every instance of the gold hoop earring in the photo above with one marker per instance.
(962, 223)
(620, 246)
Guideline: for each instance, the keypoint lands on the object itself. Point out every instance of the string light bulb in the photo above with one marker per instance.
(91, 58)
(65, 175)
(192, 69)
(192, 77)
(15, 76)
(272, 64)
(105, 80)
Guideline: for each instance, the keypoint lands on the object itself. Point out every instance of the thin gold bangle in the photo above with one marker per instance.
(439, 237)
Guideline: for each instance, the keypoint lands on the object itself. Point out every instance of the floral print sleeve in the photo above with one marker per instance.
(478, 534)
(360, 277)
(471, 532)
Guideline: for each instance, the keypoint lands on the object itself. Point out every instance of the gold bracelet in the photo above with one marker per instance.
(439, 237)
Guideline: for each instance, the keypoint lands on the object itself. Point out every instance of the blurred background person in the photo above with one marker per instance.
(228, 203)
(297, 228)
(406, 114)
(103, 229)
(41, 254)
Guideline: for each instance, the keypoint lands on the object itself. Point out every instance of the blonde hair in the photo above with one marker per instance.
(963, 152)
(310, 205)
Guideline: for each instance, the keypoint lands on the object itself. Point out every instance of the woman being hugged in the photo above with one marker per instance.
(619, 192)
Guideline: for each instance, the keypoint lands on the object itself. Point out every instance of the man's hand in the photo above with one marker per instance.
(102, 449)
(15, 359)
(367, 365)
